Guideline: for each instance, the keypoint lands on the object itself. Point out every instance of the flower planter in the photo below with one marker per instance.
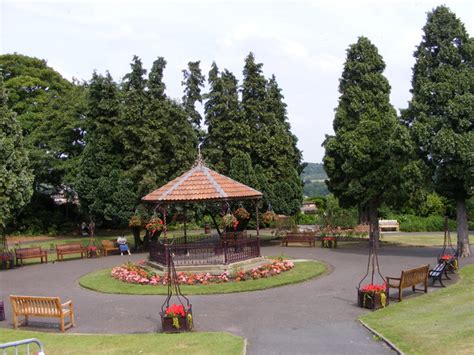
(329, 242)
(372, 300)
(7, 261)
(177, 324)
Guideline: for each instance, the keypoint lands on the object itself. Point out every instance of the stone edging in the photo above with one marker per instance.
(385, 340)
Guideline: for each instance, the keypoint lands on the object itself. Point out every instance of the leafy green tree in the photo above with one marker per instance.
(440, 113)
(104, 191)
(193, 82)
(363, 159)
(16, 178)
(50, 112)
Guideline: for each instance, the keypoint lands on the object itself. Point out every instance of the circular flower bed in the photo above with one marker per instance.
(139, 274)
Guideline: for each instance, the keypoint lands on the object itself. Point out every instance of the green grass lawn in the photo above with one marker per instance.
(440, 322)
(101, 281)
(185, 343)
(418, 240)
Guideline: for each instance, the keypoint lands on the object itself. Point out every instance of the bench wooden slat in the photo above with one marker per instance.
(70, 248)
(30, 253)
(108, 245)
(301, 237)
(50, 307)
(410, 278)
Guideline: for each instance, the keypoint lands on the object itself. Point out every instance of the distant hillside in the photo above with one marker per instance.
(313, 177)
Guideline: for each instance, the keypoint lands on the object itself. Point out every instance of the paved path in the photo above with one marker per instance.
(313, 317)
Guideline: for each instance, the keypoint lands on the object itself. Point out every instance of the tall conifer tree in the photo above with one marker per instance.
(224, 120)
(363, 159)
(440, 113)
(193, 81)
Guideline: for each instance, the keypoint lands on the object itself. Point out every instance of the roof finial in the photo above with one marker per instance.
(199, 161)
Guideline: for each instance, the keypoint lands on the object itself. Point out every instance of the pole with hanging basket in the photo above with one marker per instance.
(448, 254)
(177, 317)
(373, 295)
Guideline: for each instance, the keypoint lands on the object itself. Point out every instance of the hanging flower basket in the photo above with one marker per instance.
(154, 224)
(135, 222)
(242, 214)
(177, 318)
(372, 296)
(268, 217)
(229, 222)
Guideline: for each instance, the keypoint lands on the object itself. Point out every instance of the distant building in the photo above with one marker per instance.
(308, 208)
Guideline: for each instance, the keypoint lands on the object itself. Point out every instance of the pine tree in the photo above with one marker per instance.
(253, 103)
(225, 126)
(152, 162)
(193, 82)
(16, 178)
(363, 159)
(440, 113)
(132, 119)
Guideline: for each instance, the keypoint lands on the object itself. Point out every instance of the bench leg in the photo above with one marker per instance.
(400, 294)
(15, 320)
(62, 324)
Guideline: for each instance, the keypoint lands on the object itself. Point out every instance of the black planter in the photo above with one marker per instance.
(371, 300)
(184, 324)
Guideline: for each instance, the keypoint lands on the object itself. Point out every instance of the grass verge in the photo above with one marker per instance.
(437, 323)
(185, 343)
(101, 281)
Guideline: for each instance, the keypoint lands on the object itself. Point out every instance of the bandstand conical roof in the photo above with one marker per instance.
(201, 184)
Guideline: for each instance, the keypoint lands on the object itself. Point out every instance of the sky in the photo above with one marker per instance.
(303, 43)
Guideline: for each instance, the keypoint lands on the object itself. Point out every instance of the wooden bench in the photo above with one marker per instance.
(71, 248)
(30, 253)
(50, 307)
(108, 246)
(389, 224)
(305, 237)
(437, 273)
(409, 278)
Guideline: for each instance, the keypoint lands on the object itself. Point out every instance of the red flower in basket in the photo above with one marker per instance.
(374, 288)
(175, 310)
(445, 257)
(155, 224)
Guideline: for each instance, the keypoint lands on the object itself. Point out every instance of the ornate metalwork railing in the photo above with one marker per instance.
(218, 253)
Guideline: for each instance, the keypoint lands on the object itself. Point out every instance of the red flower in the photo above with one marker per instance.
(374, 288)
(445, 257)
(175, 310)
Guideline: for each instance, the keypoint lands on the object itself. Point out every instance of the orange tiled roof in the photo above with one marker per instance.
(201, 184)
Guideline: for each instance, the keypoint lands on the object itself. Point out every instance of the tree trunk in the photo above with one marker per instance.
(464, 249)
(374, 234)
(363, 215)
(136, 237)
(215, 223)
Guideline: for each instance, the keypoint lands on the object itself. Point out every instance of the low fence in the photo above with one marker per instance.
(206, 253)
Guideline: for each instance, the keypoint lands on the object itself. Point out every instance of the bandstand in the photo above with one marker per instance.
(216, 252)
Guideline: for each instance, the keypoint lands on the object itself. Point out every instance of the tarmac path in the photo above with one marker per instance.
(318, 316)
